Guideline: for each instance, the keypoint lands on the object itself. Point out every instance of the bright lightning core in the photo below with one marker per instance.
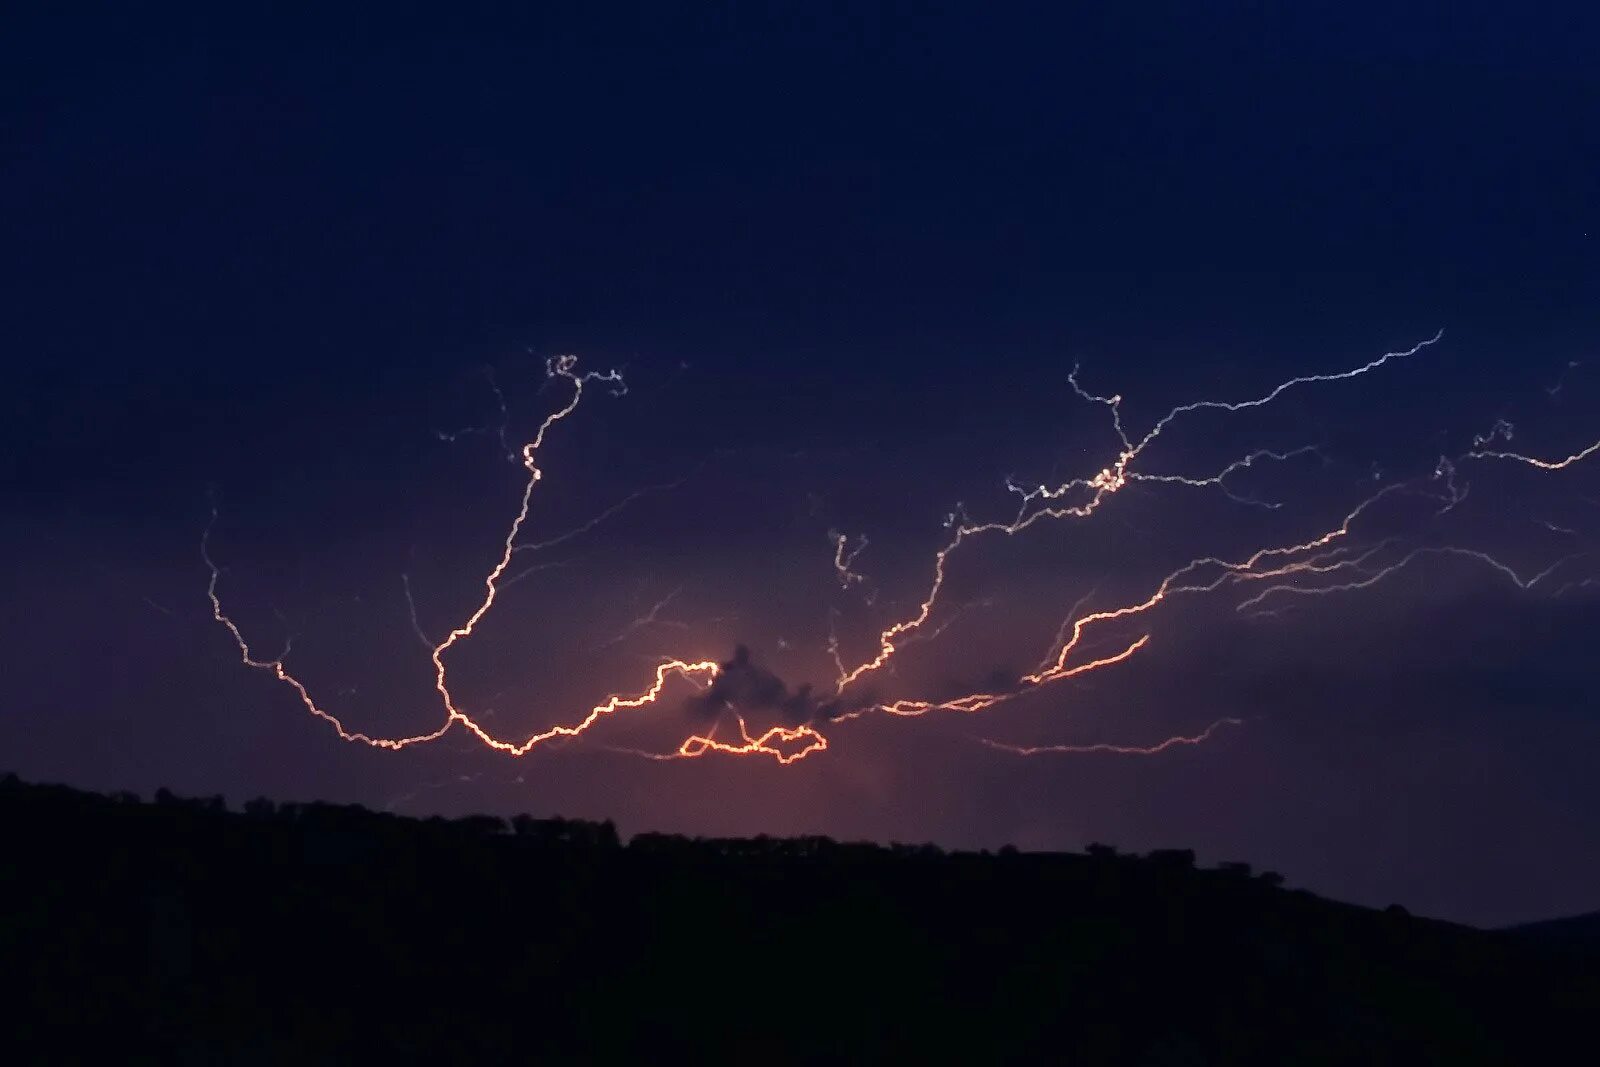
(1359, 550)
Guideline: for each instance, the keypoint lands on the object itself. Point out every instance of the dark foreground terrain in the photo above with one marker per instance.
(178, 931)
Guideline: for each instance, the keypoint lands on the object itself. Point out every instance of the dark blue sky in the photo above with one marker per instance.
(846, 264)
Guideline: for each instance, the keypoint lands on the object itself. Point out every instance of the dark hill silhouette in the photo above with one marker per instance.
(1577, 932)
(178, 931)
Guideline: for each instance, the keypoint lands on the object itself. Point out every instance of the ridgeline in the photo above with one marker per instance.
(181, 932)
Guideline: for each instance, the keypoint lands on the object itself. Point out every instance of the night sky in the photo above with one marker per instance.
(846, 266)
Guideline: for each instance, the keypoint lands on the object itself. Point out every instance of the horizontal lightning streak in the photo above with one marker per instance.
(1542, 464)
(1120, 750)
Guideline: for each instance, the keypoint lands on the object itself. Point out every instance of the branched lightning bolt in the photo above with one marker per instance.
(844, 556)
(784, 744)
(1322, 563)
(1218, 480)
(649, 618)
(1098, 489)
(501, 429)
(1372, 576)
(561, 367)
